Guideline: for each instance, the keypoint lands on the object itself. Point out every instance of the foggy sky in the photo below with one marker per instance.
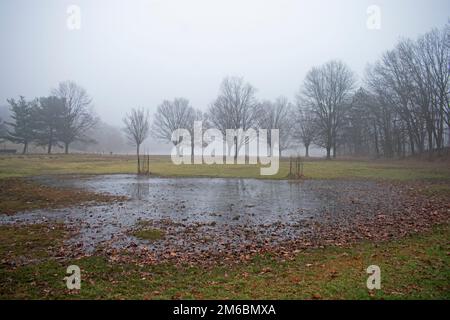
(137, 53)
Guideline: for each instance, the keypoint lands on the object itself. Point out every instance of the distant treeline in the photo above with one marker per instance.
(404, 107)
(57, 120)
(401, 107)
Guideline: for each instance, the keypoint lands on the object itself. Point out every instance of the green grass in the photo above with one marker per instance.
(30, 165)
(30, 241)
(417, 267)
(145, 232)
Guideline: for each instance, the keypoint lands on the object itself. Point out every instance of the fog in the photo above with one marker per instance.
(137, 53)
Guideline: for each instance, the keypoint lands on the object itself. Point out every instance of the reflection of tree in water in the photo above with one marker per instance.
(138, 190)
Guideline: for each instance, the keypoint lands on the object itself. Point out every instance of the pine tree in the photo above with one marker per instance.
(2, 130)
(22, 130)
(48, 116)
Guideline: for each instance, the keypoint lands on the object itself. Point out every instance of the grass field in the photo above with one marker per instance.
(29, 165)
(417, 267)
(413, 267)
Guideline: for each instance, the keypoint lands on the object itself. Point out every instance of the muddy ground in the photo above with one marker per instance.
(210, 221)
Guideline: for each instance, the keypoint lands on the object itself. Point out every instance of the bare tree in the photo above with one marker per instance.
(305, 128)
(77, 116)
(433, 50)
(326, 92)
(137, 129)
(235, 108)
(404, 106)
(173, 115)
(381, 99)
(412, 83)
(418, 91)
(278, 115)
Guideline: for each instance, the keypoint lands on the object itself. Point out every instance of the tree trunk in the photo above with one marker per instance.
(50, 141)
(66, 148)
(25, 147)
(411, 142)
(328, 152)
(448, 143)
(430, 144)
(306, 150)
(138, 160)
(377, 148)
(329, 143)
(438, 135)
(235, 148)
(192, 151)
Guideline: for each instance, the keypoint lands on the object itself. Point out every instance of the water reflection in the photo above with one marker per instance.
(243, 200)
(138, 190)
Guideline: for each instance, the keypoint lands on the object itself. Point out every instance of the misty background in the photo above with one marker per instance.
(137, 53)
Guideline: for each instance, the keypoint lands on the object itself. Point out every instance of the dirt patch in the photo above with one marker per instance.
(22, 195)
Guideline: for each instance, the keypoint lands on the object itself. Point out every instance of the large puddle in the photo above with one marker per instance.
(210, 213)
(201, 199)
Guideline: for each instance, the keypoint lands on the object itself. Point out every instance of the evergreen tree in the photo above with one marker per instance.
(22, 129)
(48, 116)
(2, 130)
